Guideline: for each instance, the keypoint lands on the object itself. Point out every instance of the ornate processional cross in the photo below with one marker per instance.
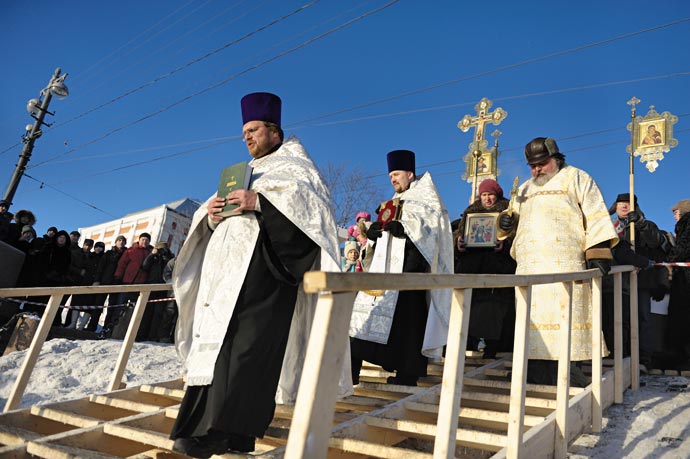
(479, 160)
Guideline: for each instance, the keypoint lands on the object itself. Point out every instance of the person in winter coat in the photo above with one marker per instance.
(679, 301)
(105, 275)
(492, 314)
(154, 264)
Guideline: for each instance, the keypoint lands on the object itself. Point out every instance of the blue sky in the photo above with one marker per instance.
(153, 112)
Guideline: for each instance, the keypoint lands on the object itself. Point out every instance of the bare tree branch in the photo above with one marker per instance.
(351, 192)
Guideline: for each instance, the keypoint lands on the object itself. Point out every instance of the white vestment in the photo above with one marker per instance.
(557, 223)
(212, 265)
(426, 223)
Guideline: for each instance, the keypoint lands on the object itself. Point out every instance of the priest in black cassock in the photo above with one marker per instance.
(399, 330)
(237, 282)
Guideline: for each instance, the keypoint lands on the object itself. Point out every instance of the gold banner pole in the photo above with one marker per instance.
(632, 102)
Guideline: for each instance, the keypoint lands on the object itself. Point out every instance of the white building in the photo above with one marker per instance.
(166, 223)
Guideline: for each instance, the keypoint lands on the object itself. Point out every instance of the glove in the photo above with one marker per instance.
(506, 222)
(603, 265)
(374, 231)
(635, 217)
(396, 229)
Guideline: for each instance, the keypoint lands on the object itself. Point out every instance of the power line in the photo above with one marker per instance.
(495, 70)
(220, 83)
(43, 184)
(189, 64)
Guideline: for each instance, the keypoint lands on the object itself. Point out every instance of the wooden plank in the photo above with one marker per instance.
(506, 385)
(485, 441)
(128, 342)
(84, 407)
(374, 449)
(175, 394)
(13, 435)
(563, 378)
(32, 354)
(634, 333)
(311, 424)
(91, 289)
(57, 451)
(481, 417)
(65, 417)
(147, 437)
(518, 382)
(618, 335)
(124, 404)
(318, 281)
(453, 373)
(14, 452)
(597, 344)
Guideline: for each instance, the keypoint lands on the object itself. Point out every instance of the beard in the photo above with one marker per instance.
(544, 178)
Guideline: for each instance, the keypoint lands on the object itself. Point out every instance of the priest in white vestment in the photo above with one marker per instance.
(400, 330)
(244, 318)
(562, 226)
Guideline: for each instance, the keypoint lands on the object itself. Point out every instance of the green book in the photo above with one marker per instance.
(235, 177)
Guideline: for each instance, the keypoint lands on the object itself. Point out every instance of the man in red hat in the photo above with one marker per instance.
(399, 330)
(237, 281)
(562, 226)
(492, 315)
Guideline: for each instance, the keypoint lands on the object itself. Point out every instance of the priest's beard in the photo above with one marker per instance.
(543, 179)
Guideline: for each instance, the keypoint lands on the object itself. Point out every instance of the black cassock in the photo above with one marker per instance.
(403, 351)
(241, 398)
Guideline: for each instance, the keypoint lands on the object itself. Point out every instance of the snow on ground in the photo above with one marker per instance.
(69, 369)
(651, 423)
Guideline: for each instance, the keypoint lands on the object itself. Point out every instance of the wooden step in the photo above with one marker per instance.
(483, 418)
(129, 405)
(465, 437)
(375, 450)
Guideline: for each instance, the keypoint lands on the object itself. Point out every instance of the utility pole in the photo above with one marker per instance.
(37, 108)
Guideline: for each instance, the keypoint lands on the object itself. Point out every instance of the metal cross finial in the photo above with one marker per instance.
(483, 117)
(634, 101)
(496, 134)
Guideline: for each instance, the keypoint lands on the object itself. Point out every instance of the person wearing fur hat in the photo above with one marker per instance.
(21, 219)
(492, 315)
(351, 262)
(243, 316)
(652, 283)
(560, 225)
(678, 338)
(680, 208)
(399, 330)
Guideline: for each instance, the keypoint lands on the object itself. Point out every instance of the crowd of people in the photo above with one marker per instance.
(57, 260)
(244, 318)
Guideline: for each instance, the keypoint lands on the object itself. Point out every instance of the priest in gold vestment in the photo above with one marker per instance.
(561, 224)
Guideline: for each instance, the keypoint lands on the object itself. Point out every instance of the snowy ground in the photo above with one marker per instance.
(652, 423)
(69, 369)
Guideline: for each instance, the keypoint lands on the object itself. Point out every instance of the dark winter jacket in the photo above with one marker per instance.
(154, 264)
(105, 272)
(54, 264)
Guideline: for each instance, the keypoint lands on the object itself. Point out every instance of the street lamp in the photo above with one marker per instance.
(37, 108)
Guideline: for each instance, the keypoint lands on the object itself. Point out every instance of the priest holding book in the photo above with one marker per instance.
(244, 318)
(399, 330)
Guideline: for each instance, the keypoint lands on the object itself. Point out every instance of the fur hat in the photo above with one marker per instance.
(100, 244)
(540, 149)
(683, 206)
(491, 186)
(351, 245)
(88, 242)
(25, 213)
(623, 197)
(261, 106)
(161, 245)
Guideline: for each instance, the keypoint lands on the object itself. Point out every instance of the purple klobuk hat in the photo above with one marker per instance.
(261, 106)
(401, 160)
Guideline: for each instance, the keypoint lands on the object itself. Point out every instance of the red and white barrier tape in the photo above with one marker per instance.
(83, 308)
(684, 264)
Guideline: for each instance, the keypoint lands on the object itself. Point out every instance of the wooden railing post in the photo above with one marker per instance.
(618, 337)
(518, 381)
(563, 384)
(313, 415)
(634, 334)
(596, 354)
(34, 350)
(453, 368)
(129, 340)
